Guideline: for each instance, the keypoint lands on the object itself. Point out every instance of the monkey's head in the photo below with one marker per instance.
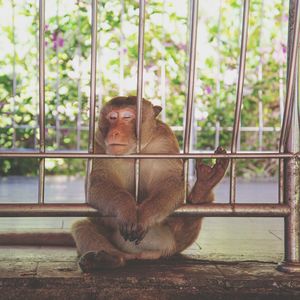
(117, 124)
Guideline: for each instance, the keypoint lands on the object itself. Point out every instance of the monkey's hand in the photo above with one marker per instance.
(141, 229)
(127, 220)
(208, 177)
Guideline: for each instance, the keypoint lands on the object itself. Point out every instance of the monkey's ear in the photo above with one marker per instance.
(157, 109)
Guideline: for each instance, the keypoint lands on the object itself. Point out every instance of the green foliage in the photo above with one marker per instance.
(68, 47)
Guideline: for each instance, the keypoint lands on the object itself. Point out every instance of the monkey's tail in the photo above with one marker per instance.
(36, 238)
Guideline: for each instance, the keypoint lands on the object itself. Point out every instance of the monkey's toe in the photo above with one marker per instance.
(95, 261)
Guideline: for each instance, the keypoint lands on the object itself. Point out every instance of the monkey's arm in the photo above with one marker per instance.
(207, 178)
(106, 195)
(166, 194)
(162, 203)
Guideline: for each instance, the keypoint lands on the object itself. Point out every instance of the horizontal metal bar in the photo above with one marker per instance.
(207, 210)
(174, 128)
(236, 210)
(84, 155)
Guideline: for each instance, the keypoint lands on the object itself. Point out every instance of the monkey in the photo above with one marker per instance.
(143, 229)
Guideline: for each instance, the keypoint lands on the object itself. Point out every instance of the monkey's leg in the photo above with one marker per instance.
(96, 251)
(185, 231)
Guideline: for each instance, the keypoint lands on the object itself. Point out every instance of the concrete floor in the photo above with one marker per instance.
(233, 258)
(220, 238)
(52, 273)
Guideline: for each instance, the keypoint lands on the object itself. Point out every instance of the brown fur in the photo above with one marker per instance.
(141, 230)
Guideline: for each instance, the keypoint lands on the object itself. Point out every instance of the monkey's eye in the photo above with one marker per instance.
(112, 116)
(127, 115)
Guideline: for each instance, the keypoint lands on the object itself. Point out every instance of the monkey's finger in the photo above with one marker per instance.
(140, 235)
(138, 241)
(130, 232)
(123, 232)
(132, 236)
(219, 149)
(222, 161)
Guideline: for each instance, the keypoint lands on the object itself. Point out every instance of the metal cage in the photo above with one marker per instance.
(288, 155)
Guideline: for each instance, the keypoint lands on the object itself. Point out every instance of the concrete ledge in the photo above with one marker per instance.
(52, 273)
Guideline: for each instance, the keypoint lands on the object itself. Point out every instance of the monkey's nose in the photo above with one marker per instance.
(115, 133)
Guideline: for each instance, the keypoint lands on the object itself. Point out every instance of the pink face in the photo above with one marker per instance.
(120, 138)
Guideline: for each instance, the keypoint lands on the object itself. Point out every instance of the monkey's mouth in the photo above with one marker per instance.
(117, 148)
(118, 145)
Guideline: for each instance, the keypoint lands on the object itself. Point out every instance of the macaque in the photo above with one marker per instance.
(144, 229)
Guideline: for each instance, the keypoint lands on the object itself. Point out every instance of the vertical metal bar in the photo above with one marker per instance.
(292, 194)
(191, 75)
(41, 193)
(239, 99)
(92, 89)
(93, 77)
(140, 73)
(163, 68)
(281, 81)
(14, 87)
(281, 92)
(260, 78)
(290, 142)
(163, 90)
(78, 133)
(293, 41)
(281, 106)
(100, 84)
(290, 76)
(218, 82)
(122, 48)
(36, 20)
(78, 123)
(57, 123)
(191, 87)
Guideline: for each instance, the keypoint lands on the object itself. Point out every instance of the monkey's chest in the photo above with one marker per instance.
(127, 176)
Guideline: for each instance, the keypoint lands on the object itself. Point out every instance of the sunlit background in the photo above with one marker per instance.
(68, 43)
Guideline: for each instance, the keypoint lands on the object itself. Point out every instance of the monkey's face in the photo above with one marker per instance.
(120, 136)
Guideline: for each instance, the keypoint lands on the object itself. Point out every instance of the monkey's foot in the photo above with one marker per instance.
(95, 261)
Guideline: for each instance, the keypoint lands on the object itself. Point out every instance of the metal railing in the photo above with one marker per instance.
(288, 155)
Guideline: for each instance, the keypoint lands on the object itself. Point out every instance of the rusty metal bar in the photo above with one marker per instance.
(291, 261)
(85, 155)
(207, 210)
(41, 188)
(191, 88)
(239, 99)
(290, 142)
(140, 73)
(291, 76)
(293, 41)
